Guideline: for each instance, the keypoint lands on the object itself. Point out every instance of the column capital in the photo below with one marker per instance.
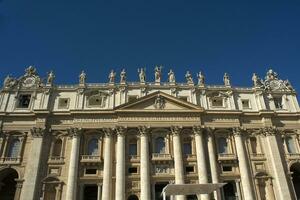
(210, 131)
(108, 132)
(268, 131)
(175, 130)
(74, 132)
(237, 131)
(143, 130)
(120, 130)
(198, 130)
(37, 132)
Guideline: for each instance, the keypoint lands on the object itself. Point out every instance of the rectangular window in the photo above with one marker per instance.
(246, 104)
(24, 101)
(217, 102)
(278, 102)
(132, 98)
(184, 98)
(132, 170)
(189, 169)
(187, 148)
(63, 103)
(90, 171)
(227, 169)
(290, 145)
(132, 149)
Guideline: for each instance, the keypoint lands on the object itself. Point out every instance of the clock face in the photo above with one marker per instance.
(29, 82)
(275, 85)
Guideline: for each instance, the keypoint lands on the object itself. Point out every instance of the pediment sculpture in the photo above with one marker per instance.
(28, 80)
(272, 82)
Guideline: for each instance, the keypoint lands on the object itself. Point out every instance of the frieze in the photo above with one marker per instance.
(158, 118)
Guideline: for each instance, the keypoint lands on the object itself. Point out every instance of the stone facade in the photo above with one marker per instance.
(128, 140)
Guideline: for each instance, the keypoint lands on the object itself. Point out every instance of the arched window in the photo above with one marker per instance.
(14, 148)
(93, 147)
(57, 147)
(290, 145)
(132, 150)
(160, 145)
(222, 145)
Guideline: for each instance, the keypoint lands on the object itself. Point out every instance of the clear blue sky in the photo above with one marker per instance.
(235, 37)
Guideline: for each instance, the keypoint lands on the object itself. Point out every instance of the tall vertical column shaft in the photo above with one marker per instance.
(278, 169)
(29, 189)
(178, 161)
(120, 165)
(107, 169)
(201, 158)
(145, 168)
(247, 184)
(73, 166)
(213, 162)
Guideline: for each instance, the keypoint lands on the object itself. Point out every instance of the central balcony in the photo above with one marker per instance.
(226, 156)
(90, 159)
(11, 160)
(160, 156)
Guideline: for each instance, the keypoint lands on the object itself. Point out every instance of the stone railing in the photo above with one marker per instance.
(134, 157)
(11, 160)
(56, 159)
(257, 155)
(226, 156)
(293, 155)
(190, 157)
(90, 158)
(160, 156)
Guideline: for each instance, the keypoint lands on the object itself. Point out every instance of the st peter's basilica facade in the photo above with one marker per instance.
(125, 140)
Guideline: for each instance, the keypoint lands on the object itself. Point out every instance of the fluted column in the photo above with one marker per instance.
(178, 161)
(31, 176)
(213, 161)
(201, 159)
(120, 165)
(277, 162)
(71, 192)
(144, 166)
(107, 169)
(244, 165)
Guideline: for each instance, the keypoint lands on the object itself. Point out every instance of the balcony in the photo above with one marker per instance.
(134, 158)
(11, 160)
(56, 160)
(90, 159)
(160, 156)
(226, 156)
(293, 155)
(257, 156)
(190, 157)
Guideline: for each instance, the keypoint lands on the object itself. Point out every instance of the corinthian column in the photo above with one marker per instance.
(107, 169)
(73, 166)
(277, 164)
(201, 160)
(145, 168)
(178, 161)
(244, 165)
(31, 176)
(213, 161)
(120, 166)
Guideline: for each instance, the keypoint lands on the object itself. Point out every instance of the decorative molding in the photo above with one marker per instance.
(108, 132)
(120, 130)
(175, 130)
(143, 130)
(37, 132)
(74, 132)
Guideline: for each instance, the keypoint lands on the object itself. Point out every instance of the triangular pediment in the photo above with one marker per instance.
(159, 101)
